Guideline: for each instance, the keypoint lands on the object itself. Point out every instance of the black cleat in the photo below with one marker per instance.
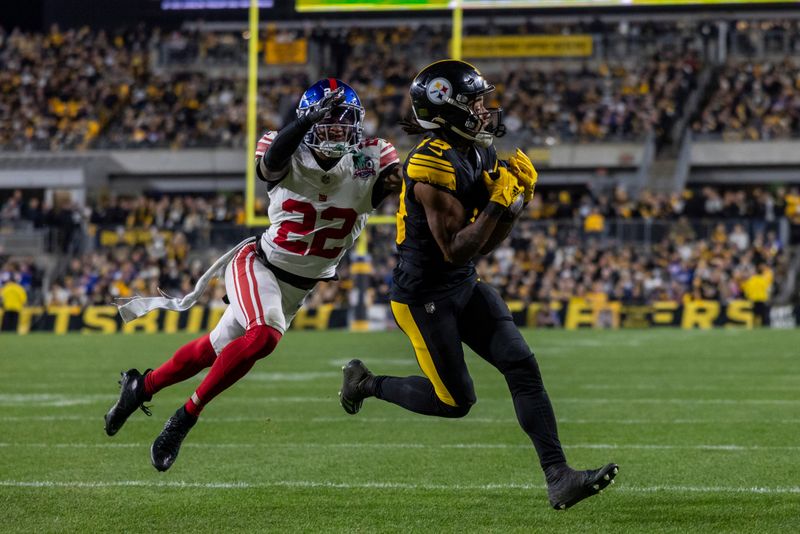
(165, 448)
(131, 397)
(356, 377)
(567, 487)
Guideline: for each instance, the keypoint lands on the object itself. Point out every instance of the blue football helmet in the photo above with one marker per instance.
(339, 132)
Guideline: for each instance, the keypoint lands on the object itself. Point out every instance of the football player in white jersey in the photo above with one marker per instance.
(323, 180)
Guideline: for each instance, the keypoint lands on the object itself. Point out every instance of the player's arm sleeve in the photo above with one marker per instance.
(390, 175)
(263, 146)
(273, 165)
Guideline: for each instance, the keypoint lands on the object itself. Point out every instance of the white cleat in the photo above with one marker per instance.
(606, 477)
(596, 487)
(613, 481)
(616, 470)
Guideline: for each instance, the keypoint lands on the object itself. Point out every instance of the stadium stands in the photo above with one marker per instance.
(616, 237)
(118, 99)
(700, 243)
(754, 100)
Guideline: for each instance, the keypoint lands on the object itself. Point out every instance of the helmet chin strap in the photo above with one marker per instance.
(483, 139)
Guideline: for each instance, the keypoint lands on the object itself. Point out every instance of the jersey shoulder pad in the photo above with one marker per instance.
(264, 143)
(381, 149)
(388, 154)
(429, 163)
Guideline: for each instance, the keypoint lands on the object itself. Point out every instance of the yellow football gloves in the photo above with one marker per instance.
(504, 189)
(522, 168)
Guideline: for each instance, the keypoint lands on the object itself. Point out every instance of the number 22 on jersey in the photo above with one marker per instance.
(308, 225)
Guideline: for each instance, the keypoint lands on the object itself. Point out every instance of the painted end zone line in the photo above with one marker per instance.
(378, 485)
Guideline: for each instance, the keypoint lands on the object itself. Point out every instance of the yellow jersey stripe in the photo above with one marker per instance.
(430, 164)
(432, 175)
(401, 216)
(432, 159)
(403, 315)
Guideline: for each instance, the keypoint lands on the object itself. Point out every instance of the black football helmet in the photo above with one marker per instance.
(441, 95)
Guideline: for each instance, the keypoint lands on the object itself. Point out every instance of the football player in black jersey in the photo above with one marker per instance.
(458, 200)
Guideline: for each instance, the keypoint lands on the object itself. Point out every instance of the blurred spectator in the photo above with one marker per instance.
(594, 223)
(13, 295)
(757, 288)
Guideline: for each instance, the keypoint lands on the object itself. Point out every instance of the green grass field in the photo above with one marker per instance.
(704, 425)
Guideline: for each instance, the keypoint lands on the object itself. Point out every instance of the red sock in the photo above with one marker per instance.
(235, 360)
(187, 361)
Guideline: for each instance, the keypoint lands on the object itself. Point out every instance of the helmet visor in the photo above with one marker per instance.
(341, 115)
(338, 132)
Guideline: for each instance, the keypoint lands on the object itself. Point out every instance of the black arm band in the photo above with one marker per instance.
(285, 143)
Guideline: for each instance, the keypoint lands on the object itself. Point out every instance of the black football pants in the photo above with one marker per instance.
(477, 316)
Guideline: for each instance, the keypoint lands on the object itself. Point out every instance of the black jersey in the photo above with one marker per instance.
(422, 272)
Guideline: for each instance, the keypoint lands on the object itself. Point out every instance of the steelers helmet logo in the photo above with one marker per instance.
(438, 89)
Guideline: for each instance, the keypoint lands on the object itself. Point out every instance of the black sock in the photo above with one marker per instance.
(534, 411)
(414, 393)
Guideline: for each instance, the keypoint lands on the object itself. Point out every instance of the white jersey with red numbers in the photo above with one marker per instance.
(316, 215)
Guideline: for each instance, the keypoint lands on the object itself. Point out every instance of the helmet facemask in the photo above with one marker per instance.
(339, 133)
(479, 128)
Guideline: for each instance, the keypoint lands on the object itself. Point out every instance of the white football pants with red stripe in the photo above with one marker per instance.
(256, 297)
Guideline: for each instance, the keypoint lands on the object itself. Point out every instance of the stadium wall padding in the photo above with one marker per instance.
(573, 314)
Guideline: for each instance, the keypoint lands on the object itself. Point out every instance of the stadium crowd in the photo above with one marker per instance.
(121, 271)
(135, 245)
(167, 212)
(191, 214)
(753, 100)
(142, 88)
(80, 89)
(147, 87)
(535, 266)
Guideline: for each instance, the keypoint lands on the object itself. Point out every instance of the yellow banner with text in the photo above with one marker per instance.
(573, 314)
(489, 46)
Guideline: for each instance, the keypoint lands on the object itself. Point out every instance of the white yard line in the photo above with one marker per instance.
(407, 420)
(39, 400)
(378, 485)
(674, 387)
(306, 445)
(291, 377)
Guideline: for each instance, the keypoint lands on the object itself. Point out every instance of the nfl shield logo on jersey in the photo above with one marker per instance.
(430, 307)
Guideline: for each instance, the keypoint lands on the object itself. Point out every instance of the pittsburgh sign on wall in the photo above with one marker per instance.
(573, 314)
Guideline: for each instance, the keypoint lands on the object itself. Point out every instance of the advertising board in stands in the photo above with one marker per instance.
(487, 46)
(291, 52)
(573, 314)
(387, 5)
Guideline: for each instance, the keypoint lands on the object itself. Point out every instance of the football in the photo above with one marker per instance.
(516, 207)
